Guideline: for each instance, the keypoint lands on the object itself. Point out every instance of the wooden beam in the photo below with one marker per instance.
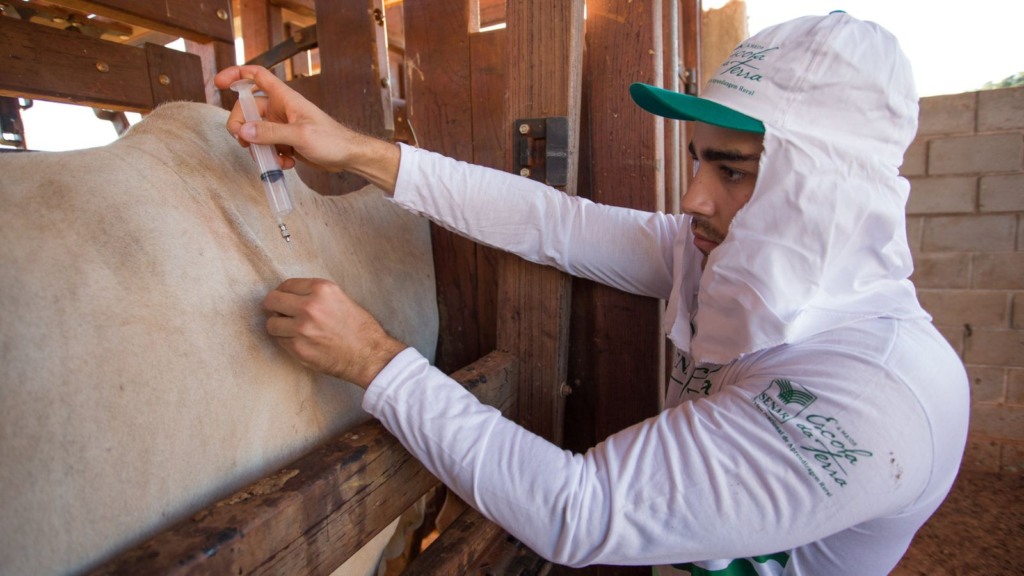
(301, 7)
(473, 544)
(545, 57)
(200, 20)
(313, 514)
(51, 64)
(456, 550)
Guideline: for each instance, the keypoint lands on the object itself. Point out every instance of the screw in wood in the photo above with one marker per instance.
(222, 14)
(103, 67)
(164, 80)
(524, 172)
(524, 128)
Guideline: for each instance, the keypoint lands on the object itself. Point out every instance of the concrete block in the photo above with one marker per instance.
(1003, 193)
(979, 308)
(943, 195)
(988, 384)
(915, 229)
(976, 154)
(1003, 271)
(982, 233)
(995, 348)
(981, 454)
(1015, 386)
(948, 114)
(915, 160)
(997, 421)
(955, 335)
(942, 270)
(1018, 311)
(1000, 110)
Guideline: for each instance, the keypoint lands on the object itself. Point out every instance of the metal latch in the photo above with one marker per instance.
(540, 149)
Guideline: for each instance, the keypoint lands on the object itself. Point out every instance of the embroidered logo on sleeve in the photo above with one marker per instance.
(783, 399)
(825, 449)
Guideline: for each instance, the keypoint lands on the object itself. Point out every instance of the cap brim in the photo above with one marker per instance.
(685, 107)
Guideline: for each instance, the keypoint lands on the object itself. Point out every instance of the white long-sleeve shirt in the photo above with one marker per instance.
(817, 457)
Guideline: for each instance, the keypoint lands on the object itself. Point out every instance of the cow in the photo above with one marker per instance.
(137, 381)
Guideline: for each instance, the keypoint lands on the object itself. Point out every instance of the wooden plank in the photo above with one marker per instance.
(313, 514)
(200, 20)
(51, 64)
(440, 110)
(489, 65)
(214, 57)
(616, 336)
(350, 76)
(174, 75)
(545, 53)
(256, 34)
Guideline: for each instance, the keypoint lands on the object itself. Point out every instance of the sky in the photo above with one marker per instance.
(954, 46)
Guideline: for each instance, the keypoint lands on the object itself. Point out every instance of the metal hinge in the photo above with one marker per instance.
(540, 149)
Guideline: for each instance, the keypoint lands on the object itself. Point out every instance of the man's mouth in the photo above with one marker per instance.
(705, 238)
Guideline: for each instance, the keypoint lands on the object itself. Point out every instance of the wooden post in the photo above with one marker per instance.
(437, 53)
(545, 52)
(350, 74)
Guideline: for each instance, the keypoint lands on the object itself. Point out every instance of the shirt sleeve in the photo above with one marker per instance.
(628, 249)
(713, 478)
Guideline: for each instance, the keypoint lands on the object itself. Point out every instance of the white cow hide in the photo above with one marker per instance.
(137, 383)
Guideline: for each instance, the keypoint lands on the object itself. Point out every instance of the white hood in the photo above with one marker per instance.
(822, 242)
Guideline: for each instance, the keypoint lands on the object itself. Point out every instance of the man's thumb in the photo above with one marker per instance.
(263, 132)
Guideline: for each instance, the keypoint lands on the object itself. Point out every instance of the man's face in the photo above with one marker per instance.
(726, 169)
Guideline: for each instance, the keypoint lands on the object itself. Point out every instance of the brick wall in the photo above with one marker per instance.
(965, 223)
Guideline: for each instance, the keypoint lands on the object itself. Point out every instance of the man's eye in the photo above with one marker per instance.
(731, 175)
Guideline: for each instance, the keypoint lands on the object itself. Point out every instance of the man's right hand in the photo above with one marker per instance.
(299, 129)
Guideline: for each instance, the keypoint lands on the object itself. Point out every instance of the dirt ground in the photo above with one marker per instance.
(979, 529)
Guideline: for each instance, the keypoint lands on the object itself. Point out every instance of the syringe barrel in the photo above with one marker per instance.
(277, 193)
(270, 172)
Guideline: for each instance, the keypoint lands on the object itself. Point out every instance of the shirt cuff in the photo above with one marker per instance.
(402, 365)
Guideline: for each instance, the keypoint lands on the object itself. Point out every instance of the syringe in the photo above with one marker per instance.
(270, 172)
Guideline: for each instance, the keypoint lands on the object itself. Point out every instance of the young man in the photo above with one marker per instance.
(816, 418)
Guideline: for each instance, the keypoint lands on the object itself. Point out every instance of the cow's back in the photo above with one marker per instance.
(137, 383)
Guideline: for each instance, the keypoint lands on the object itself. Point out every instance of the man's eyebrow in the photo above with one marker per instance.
(719, 155)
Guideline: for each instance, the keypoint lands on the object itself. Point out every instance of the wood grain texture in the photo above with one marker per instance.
(200, 20)
(545, 58)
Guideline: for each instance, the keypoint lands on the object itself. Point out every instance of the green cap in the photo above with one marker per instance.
(685, 107)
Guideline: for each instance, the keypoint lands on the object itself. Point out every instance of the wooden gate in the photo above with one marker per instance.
(570, 360)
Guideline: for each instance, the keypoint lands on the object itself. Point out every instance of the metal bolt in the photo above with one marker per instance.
(564, 390)
(524, 128)
(524, 172)
(384, 82)
(222, 14)
(164, 79)
(378, 16)
(103, 67)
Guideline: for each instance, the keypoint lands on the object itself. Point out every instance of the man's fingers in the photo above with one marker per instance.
(281, 326)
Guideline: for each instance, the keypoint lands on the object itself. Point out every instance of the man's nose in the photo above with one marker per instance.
(698, 199)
